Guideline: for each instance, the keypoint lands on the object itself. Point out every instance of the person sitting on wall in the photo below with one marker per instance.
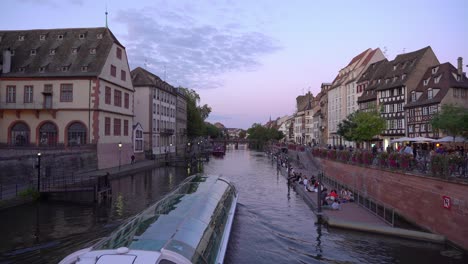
(336, 205)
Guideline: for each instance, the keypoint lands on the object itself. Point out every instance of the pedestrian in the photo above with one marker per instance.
(133, 159)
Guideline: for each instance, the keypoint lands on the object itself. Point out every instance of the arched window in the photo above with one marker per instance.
(48, 134)
(76, 134)
(20, 134)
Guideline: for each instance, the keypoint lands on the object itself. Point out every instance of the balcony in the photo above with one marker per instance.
(167, 131)
(21, 106)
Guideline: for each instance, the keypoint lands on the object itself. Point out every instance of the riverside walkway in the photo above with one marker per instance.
(351, 215)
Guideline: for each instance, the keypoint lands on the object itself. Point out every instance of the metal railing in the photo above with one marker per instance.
(377, 208)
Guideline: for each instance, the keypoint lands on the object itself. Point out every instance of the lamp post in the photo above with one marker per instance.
(120, 154)
(39, 172)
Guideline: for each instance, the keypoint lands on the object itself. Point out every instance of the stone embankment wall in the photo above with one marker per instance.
(21, 169)
(419, 199)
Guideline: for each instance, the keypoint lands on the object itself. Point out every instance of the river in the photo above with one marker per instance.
(272, 223)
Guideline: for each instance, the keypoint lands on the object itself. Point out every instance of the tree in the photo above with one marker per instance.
(196, 115)
(242, 134)
(262, 134)
(452, 120)
(212, 131)
(361, 126)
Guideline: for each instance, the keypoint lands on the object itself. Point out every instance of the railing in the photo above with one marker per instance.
(443, 166)
(379, 209)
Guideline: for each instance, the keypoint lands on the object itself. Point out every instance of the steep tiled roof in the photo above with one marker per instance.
(402, 65)
(358, 57)
(445, 72)
(57, 52)
(371, 71)
(144, 78)
(380, 71)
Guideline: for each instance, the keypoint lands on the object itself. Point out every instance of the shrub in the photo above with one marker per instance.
(393, 160)
(332, 154)
(405, 160)
(29, 193)
(383, 157)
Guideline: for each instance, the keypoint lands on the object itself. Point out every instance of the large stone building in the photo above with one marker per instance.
(323, 115)
(342, 96)
(441, 84)
(155, 110)
(181, 122)
(66, 87)
(401, 78)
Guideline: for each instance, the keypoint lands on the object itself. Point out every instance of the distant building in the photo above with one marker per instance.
(62, 88)
(401, 78)
(325, 87)
(181, 122)
(441, 84)
(308, 126)
(155, 110)
(342, 95)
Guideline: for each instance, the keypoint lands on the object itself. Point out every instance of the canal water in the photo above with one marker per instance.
(272, 223)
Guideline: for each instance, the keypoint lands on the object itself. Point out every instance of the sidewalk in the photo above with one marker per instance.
(351, 215)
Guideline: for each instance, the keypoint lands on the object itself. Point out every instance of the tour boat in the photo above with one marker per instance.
(219, 151)
(192, 224)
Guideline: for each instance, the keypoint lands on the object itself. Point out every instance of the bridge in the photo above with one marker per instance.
(235, 141)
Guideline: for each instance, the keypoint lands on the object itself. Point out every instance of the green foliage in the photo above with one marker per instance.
(196, 114)
(212, 131)
(452, 120)
(361, 126)
(262, 134)
(29, 193)
(242, 134)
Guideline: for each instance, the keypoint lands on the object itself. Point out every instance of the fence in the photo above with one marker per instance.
(379, 209)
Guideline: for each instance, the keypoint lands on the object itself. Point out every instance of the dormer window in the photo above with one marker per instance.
(92, 51)
(403, 76)
(60, 37)
(458, 78)
(33, 52)
(42, 37)
(437, 79)
(84, 68)
(52, 52)
(426, 82)
(99, 36)
(21, 37)
(394, 67)
(21, 69)
(378, 81)
(429, 93)
(74, 50)
(82, 36)
(12, 52)
(386, 80)
(65, 68)
(42, 69)
(434, 70)
(413, 96)
(395, 78)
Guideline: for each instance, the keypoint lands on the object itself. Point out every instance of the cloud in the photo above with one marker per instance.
(190, 53)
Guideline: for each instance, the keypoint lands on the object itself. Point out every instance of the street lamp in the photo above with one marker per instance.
(120, 154)
(39, 172)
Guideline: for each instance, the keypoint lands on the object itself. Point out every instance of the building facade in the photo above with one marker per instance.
(155, 110)
(61, 88)
(441, 84)
(181, 122)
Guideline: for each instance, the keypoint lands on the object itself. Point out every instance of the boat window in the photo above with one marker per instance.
(166, 261)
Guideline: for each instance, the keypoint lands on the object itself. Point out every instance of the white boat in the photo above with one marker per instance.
(192, 224)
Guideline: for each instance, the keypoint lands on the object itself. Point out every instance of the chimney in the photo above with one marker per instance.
(6, 66)
(460, 66)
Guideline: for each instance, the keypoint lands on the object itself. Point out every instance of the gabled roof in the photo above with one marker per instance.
(144, 78)
(54, 49)
(446, 73)
(371, 71)
(403, 64)
(380, 71)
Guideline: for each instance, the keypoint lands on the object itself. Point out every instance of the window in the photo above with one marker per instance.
(127, 100)
(11, 94)
(92, 51)
(42, 37)
(113, 71)
(394, 67)
(429, 93)
(433, 109)
(82, 36)
(426, 82)
(400, 123)
(12, 52)
(123, 75)
(410, 128)
(99, 36)
(84, 68)
(425, 110)
(75, 51)
(21, 37)
(60, 37)
(20, 134)
(52, 52)
(76, 134)
(400, 107)
(21, 69)
(423, 128)
(456, 92)
(107, 95)
(66, 92)
(117, 126)
(42, 69)
(119, 53)
(117, 98)
(463, 93)
(403, 76)
(437, 79)
(413, 96)
(65, 68)
(125, 128)
(33, 52)
(48, 134)
(28, 94)
(107, 126)
(434, 70)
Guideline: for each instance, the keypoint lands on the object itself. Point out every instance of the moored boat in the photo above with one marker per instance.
(192, 224)
(219, 150)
